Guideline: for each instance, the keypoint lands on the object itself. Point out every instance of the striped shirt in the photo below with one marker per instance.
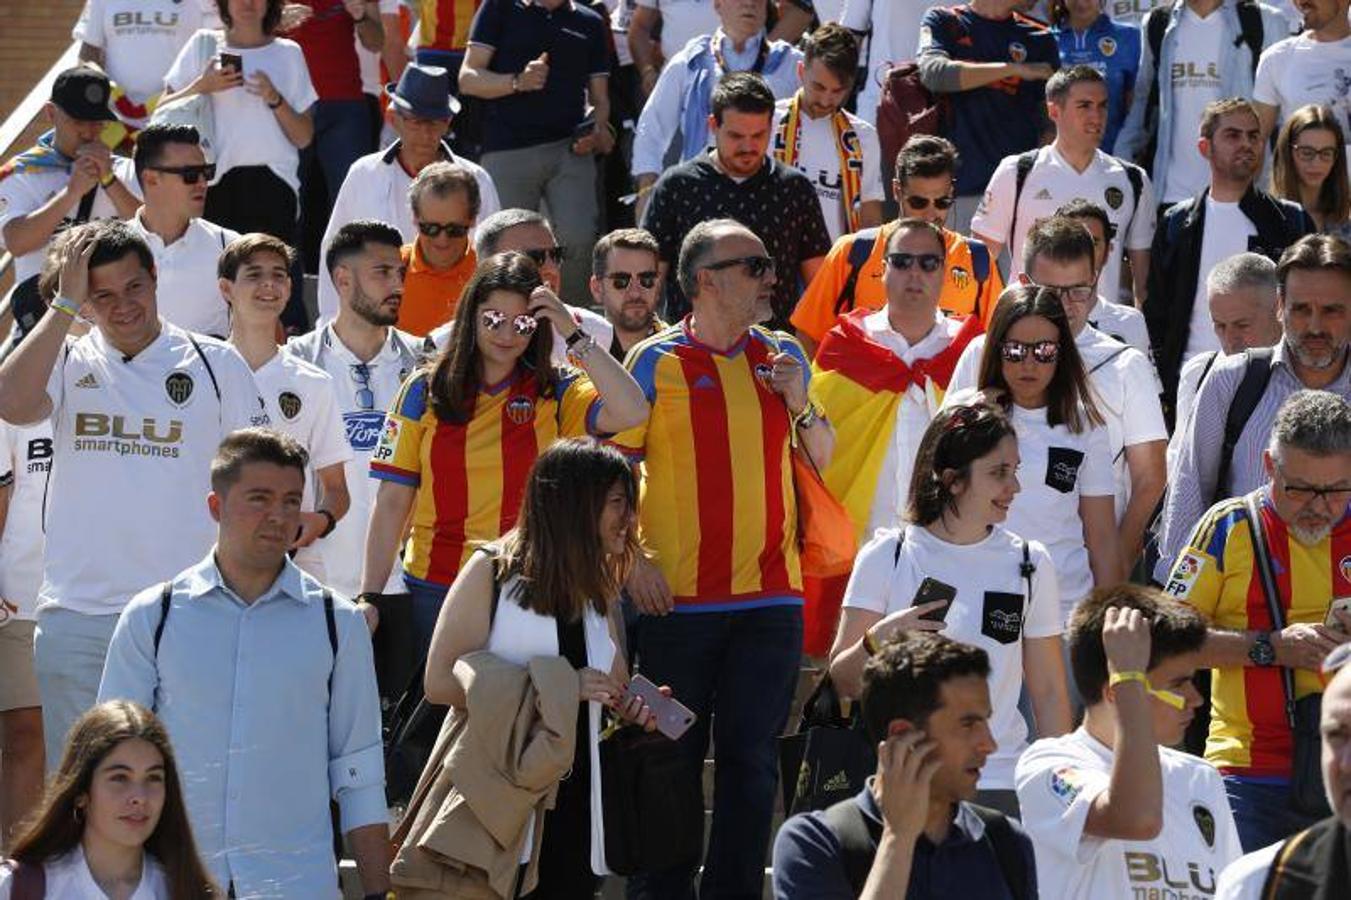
(718, 511)
(470, 476)
(1217, 574)
(1192, 478)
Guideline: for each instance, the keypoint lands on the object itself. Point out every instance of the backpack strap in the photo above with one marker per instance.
(1156, 23)
(490, 551)
(30, 880)
(980, 270)
(1256, 374)
(210, 372)
(1027, 569)
(859, 251)
(1136, 176)
(1205, 370)
(1022, 169)
(896, 554)
(331, 621)
(165, 598)
(858, 837)
(1007, 852)
(1113, 355)
(1251, 31)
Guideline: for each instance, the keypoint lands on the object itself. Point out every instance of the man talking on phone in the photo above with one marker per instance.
(912, 831)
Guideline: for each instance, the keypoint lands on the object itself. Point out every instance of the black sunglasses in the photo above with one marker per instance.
(1044, 352)
(361, 374)
(554, 254)
(622, 280)
(928, 262)
(189, 174)
(914, 201)
(451, 229)
(756, 266)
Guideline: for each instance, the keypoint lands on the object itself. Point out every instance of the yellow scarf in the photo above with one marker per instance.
(846, 143)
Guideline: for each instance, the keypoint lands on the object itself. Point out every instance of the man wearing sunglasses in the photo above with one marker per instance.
(1114, 812)
(1267, 589)
(173, 174)
(445, 202)
(853, 274)
(626, 282)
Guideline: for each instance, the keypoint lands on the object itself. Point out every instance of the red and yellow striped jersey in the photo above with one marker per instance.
(470, 476)
(718, 511)
(1216, 573)
(444, 24)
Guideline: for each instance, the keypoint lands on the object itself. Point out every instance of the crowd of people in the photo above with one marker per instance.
(519, 356)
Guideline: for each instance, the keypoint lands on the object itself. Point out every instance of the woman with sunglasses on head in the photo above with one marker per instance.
(462, 433)
(954, 567)
(1031, 365)
(1310, 168)
(112, 824)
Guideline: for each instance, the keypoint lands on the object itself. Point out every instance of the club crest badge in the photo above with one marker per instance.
(1017, 52)
(1205, 822)
(178, 387)
(289, 404)
(1107, 46)
(520, 410)
(1114, 197)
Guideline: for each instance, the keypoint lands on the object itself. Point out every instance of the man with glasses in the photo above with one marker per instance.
(368, 359)
(173, 174)
(721, 595)
(1220, 452)
(445, 201)
(853, 273)
(1119, 320)
(1059, 254)
(421, 108)
(1272, 620)
(625, 283)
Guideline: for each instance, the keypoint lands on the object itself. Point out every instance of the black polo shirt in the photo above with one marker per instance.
(778, 204)
(518, 32)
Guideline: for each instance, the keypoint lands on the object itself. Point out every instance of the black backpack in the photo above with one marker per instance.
(1256, 375)
(862, 247)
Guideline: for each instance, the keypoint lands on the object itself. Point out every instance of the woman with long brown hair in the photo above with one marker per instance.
(463, 431)
(1310, 168)
(557, 575)
(113, 822)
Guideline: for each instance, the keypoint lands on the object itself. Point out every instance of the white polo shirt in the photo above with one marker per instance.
(25, 461)
(186, 288)
(1058, 780)
(140, 39)
(1123, 322)
(136, 436)
(992, 611)
(1052, 183)
(819, 159)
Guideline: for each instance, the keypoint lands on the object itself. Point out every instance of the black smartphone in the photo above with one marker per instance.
(931, 589)
(232, 61)
(584, 128)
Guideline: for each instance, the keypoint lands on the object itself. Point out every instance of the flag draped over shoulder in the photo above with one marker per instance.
(42, 155)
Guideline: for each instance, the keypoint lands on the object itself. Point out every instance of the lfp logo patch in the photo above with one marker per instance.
(1066, 784)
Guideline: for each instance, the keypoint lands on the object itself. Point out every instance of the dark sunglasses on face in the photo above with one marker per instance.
(621, 280)
(928, 262)
(756, 266)
(553, 254)
(522, 324)
(451, 229)
(914, 201)
(189, 174)
(1044, 352)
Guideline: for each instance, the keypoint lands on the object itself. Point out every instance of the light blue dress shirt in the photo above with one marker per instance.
(261, 744)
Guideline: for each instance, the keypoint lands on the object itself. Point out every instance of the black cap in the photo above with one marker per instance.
(83, 93)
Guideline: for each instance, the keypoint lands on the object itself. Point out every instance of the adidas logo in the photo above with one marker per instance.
(837, 782)
(87, 381)
(1043, 194)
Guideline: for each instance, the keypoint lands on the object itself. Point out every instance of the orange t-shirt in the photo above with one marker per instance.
(431, 295)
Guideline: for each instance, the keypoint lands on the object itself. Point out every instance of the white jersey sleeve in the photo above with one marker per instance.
(1140, 236)
(1043, 608)
(1056, 788)
(328, 442)
(56, 381)
(1244, 878)
(1142, 418)
(242, 405)
(994, 215)
(967, 370)
(19, 196)
(89, 28)
(1098, 479)
(871, 187)
(8, 463)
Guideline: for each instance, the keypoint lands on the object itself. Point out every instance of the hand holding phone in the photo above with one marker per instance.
(232, 61)
(931, 590)
(673, 717)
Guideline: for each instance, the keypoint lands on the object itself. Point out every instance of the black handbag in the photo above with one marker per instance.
(829, 758)
(652, 803)
(1307, 796)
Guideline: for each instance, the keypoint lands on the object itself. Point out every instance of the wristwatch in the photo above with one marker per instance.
(332, 522)
(1261, 652)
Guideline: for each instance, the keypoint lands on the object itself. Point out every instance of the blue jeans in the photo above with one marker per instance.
(69, 650)
(427, 602)
(1262, 811)
(739, 670)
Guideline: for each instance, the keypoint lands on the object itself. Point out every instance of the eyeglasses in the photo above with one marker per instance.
(1044, 352)
(361, 374)
(914, 201)
(756, 266)
(493, 319)
(1067, 293)
(621, 280)
(553, 254)
(1335, 497)
(451, 229)
(189, 174)
(928, 262)
(1309, 154)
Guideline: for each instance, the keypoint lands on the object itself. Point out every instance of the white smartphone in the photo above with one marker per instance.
(673, 717)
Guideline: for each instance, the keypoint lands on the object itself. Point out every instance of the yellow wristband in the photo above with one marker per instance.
(1118, 677)
(1175, 700)
(869, 643)
(65, 305)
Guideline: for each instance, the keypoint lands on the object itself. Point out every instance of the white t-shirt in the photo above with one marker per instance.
(140, 38)
(1058, 780)
(369, 60)
(135, 435)
(186, 289)
(344, 550)
(818, 158)
(1225, 234)
(682, 21)
(1246, 876)
(1052, 183)
(69, 878)
(247, 132)
(1130, 11)
(1196, 82)
(1299, 70)
(893, 39)
(25, 461)
(1123, 322)
(992, 611)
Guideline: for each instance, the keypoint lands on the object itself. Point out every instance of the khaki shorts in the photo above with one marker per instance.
(18, 679)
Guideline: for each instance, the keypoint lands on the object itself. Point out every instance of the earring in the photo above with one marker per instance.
(78, 814)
